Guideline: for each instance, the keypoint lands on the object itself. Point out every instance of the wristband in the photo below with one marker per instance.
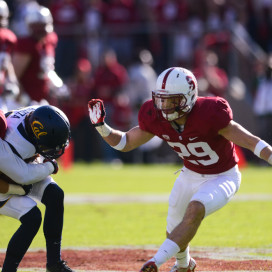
(122, 142)
(259, 147)
(104, 130)
(270, 159)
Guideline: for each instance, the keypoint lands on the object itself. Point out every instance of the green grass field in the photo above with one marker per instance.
(239, 224)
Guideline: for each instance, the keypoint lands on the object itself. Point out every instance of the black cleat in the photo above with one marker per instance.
(61, 266)
(149, 266)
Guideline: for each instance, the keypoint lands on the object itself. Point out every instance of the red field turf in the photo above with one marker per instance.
(133, 259)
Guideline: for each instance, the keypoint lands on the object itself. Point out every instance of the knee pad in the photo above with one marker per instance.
(53, 195)
(33, 218)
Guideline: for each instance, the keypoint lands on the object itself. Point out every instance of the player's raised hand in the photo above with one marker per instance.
(96, 112)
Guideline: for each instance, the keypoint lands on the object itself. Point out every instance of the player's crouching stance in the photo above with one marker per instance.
(35, 131)
(202, 132)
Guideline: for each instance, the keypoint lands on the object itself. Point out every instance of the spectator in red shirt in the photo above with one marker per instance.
(213, 80)
(67, 15)
(109, 80)
(93, 25)
(110, 77)
(81, 86)
(119, 18)
(168, 12)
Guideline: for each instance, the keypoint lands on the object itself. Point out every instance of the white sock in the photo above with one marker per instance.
(183, 258)
(166, 251)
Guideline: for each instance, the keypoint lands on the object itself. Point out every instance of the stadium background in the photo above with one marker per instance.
(232, 40)
(226, 43)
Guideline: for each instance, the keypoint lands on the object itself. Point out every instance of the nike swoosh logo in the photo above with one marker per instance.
(191, 139)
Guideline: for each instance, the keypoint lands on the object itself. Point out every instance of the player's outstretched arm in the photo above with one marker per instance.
(237, 134)
(122, 141)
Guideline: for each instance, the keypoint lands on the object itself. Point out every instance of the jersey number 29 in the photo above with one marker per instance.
(199, 149)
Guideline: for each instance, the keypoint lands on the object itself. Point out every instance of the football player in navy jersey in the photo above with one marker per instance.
(35, 134)
(16, 170)
(202, 132)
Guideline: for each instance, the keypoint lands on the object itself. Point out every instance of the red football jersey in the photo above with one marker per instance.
(200, 146)
(34, 79)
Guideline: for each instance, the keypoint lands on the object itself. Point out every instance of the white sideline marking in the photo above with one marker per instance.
(146, 198)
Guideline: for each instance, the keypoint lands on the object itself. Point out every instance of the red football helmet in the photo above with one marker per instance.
(176, 93)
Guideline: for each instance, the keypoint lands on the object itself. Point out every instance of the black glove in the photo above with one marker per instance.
(55, 164)
(27, 188)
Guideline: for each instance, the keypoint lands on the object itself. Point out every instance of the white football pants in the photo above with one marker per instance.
(17, 206)
(213, 191)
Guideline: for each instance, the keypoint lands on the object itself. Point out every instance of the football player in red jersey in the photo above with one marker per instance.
(34, 58)
(9, 88)
(202, 132)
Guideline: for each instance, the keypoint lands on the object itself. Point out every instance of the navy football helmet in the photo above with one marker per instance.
(49, 131)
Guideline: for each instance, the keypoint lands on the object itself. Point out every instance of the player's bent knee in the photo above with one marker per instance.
(195, 211)
(33, 218)
(53, 195)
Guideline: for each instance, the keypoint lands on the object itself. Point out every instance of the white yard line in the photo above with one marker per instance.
(146, 198)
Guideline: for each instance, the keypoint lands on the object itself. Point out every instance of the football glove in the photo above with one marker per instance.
(55, 164)
(97, 112)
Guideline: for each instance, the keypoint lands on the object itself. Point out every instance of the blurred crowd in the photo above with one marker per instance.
(65, 52)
